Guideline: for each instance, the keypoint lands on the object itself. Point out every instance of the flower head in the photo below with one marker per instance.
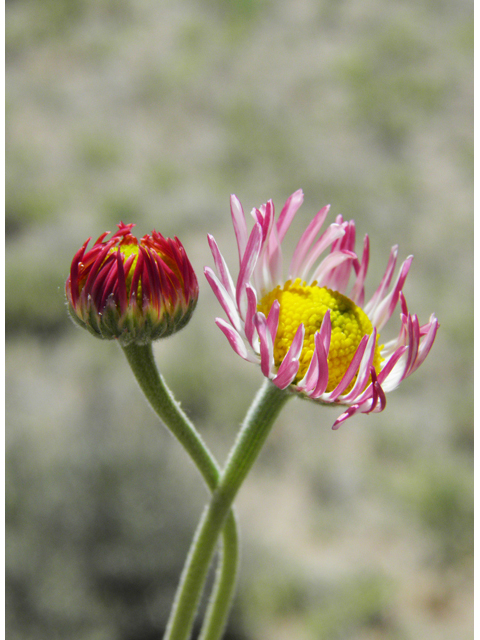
(313, 333)
(132, 290)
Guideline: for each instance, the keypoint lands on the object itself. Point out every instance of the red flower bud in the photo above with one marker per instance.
(132, 290)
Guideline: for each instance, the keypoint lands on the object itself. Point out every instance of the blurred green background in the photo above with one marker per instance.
(153, 112)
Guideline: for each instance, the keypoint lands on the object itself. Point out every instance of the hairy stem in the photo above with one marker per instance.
(255, 429)
(142, 363)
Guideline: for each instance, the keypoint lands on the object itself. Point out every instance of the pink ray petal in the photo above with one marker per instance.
(266, 345)
(290, 365)
(389, 366)
(326, 331)
(426, 343)
(309, 380)
(363, 369)
(251, 311)
(318, 370)
(268, 220)
(290, 208)
(235, 340)
(221, 267)
(270, 254)
(403, 304)
(340, 276)
(321, 355)
(413, 342)
(328, 265)
(379, 400)
(272, 320)
(265, 218)
(332, 233)
(239, 225)
(351, 411)
(249, 261)
(386, 307)
(351, 370)
(223, 297)
(306, 240)
(274, 259)
(384, 283)
(286, 376)
(367, 403)
(358, 289)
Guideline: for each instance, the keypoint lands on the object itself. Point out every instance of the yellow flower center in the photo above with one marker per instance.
(127, 250)
(300, 303)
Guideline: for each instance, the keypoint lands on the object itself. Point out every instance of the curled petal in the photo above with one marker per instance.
(249, 261)
(306, 241)
(352, 368)
(251, 311)
(265, 218)
(221, 266)
(272, 320)
(228, 305)
(384, 283)
(327, 267)
(358, 289)
(290, 208)
(413, 342)
(364, 369)
(234, 339)
(351, 411)
(375, 401)
(390, 376)
(427, 342)
(266, 345)
(316, 379)
(321, 356)
(384, 309)
(331, 234)
(239, 225)
(379, 400)
(273, 266)
(340, 275)
(286, 376)
(290, 365)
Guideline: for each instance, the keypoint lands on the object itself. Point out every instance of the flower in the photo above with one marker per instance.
(313, 334)
(132, 290)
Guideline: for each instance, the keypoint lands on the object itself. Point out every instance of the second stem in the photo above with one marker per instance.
(255, 429)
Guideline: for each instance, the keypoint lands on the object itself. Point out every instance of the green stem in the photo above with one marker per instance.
(142, 363)
(254, 431)
(141, 360)
(223, 591)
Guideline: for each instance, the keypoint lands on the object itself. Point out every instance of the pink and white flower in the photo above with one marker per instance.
(313, 333)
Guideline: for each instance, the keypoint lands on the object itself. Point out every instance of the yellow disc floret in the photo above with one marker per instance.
(307, 304)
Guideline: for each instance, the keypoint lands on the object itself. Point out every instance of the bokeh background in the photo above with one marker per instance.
(153, 112)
